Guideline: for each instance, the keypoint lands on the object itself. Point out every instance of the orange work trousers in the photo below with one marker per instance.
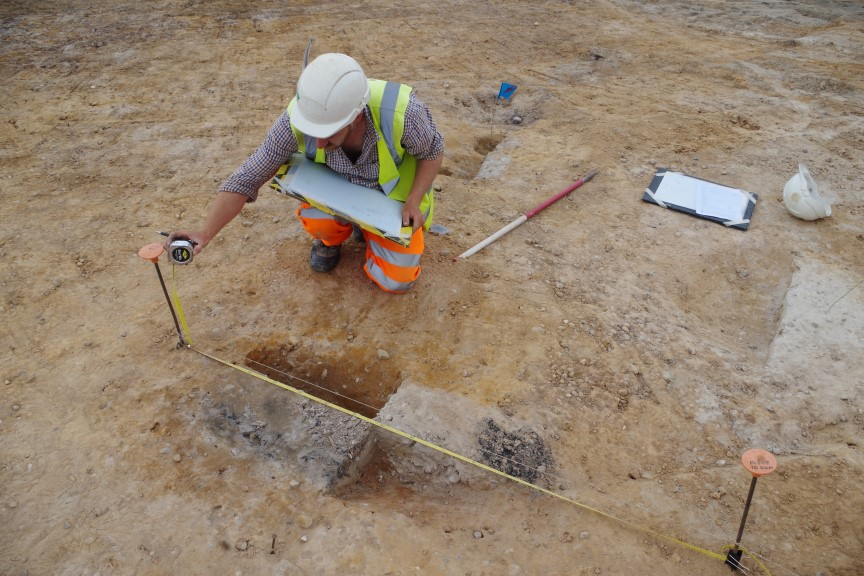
(393, 267)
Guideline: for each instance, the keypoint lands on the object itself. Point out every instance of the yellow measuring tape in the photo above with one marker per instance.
(442, 450)
(178, 306)
(452, 454)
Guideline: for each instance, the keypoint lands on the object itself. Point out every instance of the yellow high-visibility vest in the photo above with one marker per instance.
(396, 168)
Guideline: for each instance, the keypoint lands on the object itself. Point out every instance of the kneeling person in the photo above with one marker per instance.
(375, 134)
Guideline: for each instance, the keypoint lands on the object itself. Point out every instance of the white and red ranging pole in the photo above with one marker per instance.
(525, 217)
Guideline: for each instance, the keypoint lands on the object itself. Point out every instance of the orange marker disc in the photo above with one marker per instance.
(151, 251)
(759, 462)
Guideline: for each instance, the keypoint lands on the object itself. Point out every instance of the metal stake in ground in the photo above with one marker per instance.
(759, 463)
(522, 219)
(152, 252)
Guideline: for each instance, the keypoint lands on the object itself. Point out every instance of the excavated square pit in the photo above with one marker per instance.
(349, 379)
(343, 454)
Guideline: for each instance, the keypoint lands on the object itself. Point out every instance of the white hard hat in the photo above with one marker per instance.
(802, 199)
(331, 91)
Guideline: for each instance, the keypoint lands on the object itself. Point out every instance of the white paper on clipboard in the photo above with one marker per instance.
(705, 198)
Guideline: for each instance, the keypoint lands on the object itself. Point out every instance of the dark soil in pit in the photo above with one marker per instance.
(356, 383)
(521, 453)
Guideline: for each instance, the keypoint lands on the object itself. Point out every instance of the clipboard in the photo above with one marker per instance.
(321, 187)
(701, 198)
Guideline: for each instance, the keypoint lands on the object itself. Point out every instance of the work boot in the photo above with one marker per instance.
(358, 235)
(324, 258)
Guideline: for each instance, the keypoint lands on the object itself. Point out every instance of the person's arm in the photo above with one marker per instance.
(425, 175)
(225, 208)
(422, 140)
(242, 186)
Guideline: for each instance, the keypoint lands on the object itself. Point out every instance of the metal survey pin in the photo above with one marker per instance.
(759, 463)
(152, 252)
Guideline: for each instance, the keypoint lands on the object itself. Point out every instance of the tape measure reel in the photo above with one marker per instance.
(180, 251)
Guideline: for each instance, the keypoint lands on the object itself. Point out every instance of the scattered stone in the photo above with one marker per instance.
(383, 355)
(439, 230)
(242, 545)
(293, 483)
(304, 539)
(67, 525)
(584, 535)
(478, 534)
(516, 120)
(305, 522)
(177, 457)
(634, 474)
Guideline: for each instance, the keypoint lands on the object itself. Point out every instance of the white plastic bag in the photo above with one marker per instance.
(802, 199)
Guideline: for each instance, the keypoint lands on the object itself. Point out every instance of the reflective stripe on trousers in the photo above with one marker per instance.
(393, 267)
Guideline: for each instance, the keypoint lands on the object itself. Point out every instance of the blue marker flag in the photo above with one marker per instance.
(506, 91)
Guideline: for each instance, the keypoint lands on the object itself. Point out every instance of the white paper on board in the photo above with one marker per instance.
(705, 198)
(320, 185)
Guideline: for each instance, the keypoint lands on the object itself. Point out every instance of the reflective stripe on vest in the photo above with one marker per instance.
(391, 128)
(389, 101)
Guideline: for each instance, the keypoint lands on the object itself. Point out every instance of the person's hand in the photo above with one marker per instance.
(199, 239)
(412, 216)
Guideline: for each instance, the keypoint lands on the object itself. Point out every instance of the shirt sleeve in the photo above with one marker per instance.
(421, 137)
(262, 165)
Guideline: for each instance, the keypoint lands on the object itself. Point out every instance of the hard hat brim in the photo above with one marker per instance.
(317, 130)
